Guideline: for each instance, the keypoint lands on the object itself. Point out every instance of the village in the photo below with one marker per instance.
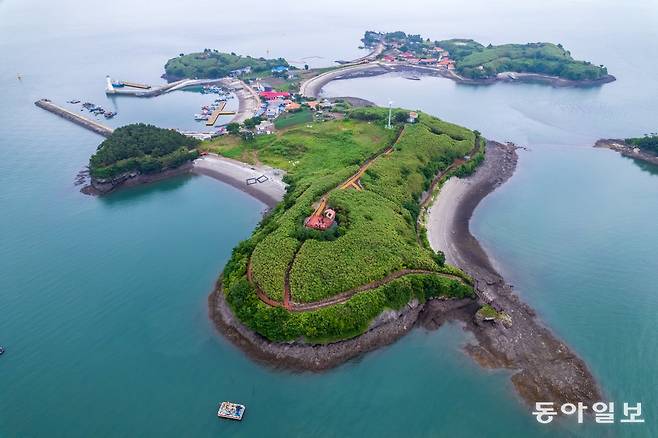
(275, 108)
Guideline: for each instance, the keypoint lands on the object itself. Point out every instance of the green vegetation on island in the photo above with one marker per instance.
(647, 143)
(375, 233)
(473, 60)
(141, 148)
(211, 64)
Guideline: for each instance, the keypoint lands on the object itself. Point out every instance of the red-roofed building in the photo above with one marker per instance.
(269, 95)
(406, 55)
(388, 58)
(321, 221)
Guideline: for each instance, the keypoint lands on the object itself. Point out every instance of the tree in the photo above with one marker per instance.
(440, 258)
(233, 128)
(252, 122)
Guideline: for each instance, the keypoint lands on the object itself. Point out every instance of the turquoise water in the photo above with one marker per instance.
(103, 301)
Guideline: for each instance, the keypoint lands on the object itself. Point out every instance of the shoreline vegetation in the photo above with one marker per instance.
(639, 148)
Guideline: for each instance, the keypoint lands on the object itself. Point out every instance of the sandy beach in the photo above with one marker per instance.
(545, 368)
(270, 191)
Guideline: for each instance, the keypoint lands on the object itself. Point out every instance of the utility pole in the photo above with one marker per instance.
(390, 109)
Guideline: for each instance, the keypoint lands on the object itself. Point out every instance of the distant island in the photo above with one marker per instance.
(469, 60)
(139, 153)
(212, 64)
(641, 148)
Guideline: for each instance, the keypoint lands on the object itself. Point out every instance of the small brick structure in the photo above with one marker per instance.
(322, 221)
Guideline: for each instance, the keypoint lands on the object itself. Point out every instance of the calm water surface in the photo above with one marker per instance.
(103, 301)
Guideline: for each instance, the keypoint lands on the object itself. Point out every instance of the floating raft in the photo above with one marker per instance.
(232, 411)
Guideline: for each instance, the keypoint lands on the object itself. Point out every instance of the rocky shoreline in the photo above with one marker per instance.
(511, 77)
(545, 368)
(97, 188)
(384, 330)
(626, 150)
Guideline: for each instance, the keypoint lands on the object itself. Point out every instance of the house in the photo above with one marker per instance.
(326, 104)
(413, 117)
(427, 61)
(264, 127)
(240, 71)
(263, 86)
(313, 104)
(293, 106)
(406, 55)
(270, 95)
(388, 58)
(272, 112)
(279, 70)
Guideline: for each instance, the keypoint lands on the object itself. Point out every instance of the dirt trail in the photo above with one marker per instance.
(352, 181)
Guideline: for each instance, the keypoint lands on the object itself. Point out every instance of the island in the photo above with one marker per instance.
(212, 64)
(468, 61)
(643, 148)
(139, 153)
(344, 248)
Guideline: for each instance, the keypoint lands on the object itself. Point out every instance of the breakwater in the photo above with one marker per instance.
(85, 122)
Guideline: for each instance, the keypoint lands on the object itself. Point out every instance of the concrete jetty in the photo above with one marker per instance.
(85, 122)
(155, 91)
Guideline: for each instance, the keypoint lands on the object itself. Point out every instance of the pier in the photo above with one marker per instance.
(142, 90)
(218, 112)
(85, 122)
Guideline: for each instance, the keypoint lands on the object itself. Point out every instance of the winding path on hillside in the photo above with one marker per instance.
(352, 182)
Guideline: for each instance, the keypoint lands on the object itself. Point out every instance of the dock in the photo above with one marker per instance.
(85, 122)
(219, 111)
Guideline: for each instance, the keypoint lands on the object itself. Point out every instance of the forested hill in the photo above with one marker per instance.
(212, 64)
(141, 148)
(473, 60)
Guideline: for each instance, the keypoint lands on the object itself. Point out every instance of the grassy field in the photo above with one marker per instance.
(376, 232)
(291, 119)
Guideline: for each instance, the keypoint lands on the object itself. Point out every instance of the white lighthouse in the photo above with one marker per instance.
(109, 88)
